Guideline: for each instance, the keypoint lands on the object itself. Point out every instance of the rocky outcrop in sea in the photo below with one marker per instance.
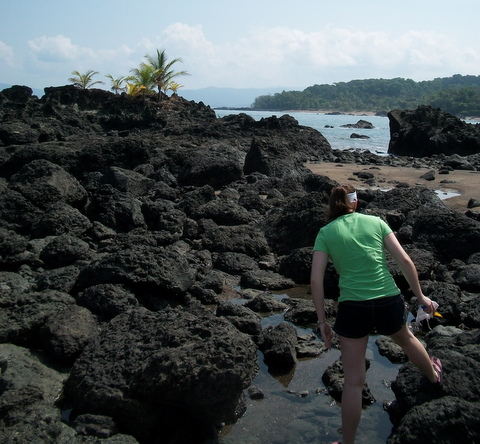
(130, 228)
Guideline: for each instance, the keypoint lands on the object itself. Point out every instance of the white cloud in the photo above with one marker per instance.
(6, 54)
(269, 57)
(55, 49)
(283, 56)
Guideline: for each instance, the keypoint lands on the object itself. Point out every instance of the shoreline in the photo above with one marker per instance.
(356, 113)
(465, 183)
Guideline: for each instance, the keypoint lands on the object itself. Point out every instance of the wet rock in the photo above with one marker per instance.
(265, 280)
(360, 124)
(278, 345)
(458, 352)
(243, 318)
(392, 351)
(29, 391)
(266, 303)
(333, 380)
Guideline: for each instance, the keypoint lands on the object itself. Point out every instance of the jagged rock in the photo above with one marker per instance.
(459, 354)
(27, 404)
(65, 250)
(265, 280)
(161, 271)
(363, 124)
(427, 131)
(44, 183)
(61, 218)
(23, 314)
(147, 367)
(159, 204)
(265, 303)
(107, 300)
(392, 351)
(65, 334)
(246, 320)
(333, 380)
(278, 345)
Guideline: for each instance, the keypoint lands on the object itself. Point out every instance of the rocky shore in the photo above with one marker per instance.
(130, 227)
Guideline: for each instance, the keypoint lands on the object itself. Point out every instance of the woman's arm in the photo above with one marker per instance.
(407, 267)
(319, 264)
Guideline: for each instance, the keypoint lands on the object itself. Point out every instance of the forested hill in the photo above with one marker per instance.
(458, 95)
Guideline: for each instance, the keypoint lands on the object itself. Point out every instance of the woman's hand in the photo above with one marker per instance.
(426, 304)
(326, 333)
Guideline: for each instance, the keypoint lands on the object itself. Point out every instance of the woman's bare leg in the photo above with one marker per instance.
(353, 361)
(415, 351)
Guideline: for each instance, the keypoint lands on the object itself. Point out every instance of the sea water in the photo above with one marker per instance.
(282, 417)
(331, 128)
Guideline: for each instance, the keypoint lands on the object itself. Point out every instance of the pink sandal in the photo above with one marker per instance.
(437, 365)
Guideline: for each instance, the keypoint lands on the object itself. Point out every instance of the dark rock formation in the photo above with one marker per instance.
(132, 230)
(361, 124)
(149, 369)
(427, 131)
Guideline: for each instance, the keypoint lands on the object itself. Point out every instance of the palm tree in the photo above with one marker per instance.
(117, 84)
(163, 70)
(132, 89)
(84, 81)
(144, 78)
(174, 87)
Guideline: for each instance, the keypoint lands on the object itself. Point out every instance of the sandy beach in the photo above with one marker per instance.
(465, 183)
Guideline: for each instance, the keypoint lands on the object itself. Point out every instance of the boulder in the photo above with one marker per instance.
(152, 372)
(278, 345)
(426, 131)
(29, 391)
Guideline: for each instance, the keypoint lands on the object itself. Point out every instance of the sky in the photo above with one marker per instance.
(240, 44)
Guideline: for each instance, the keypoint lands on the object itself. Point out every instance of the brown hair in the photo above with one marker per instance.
(339, 203)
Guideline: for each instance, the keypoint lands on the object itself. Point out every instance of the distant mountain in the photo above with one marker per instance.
(227, 97)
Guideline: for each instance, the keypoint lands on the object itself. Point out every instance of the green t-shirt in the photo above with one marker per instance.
(354, 243)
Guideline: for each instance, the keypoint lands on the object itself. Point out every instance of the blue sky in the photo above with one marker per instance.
(240, 44)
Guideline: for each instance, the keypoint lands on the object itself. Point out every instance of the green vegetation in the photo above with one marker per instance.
(156, 72)
(458, 95)
(84, 81)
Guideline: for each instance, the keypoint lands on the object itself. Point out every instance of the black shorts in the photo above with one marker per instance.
(385, 316)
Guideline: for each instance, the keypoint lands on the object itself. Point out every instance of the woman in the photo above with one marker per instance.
(369, 302)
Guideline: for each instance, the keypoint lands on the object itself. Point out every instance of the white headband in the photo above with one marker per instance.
(352, 197)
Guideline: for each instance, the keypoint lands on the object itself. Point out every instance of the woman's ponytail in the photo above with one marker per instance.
(342, 201)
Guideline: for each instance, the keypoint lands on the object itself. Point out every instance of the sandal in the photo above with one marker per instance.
(437, 365)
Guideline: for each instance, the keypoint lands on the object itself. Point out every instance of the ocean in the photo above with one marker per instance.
(330, 127)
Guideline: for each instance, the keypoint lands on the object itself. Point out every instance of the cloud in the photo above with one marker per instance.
(6, 54)
(285, 56)
(268, 57)
(56, 49)
(62, 49)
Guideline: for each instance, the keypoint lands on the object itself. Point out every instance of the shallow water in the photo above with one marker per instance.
(284, 418)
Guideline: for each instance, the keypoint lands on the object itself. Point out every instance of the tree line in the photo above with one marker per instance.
(458, 95)
(156, 72)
